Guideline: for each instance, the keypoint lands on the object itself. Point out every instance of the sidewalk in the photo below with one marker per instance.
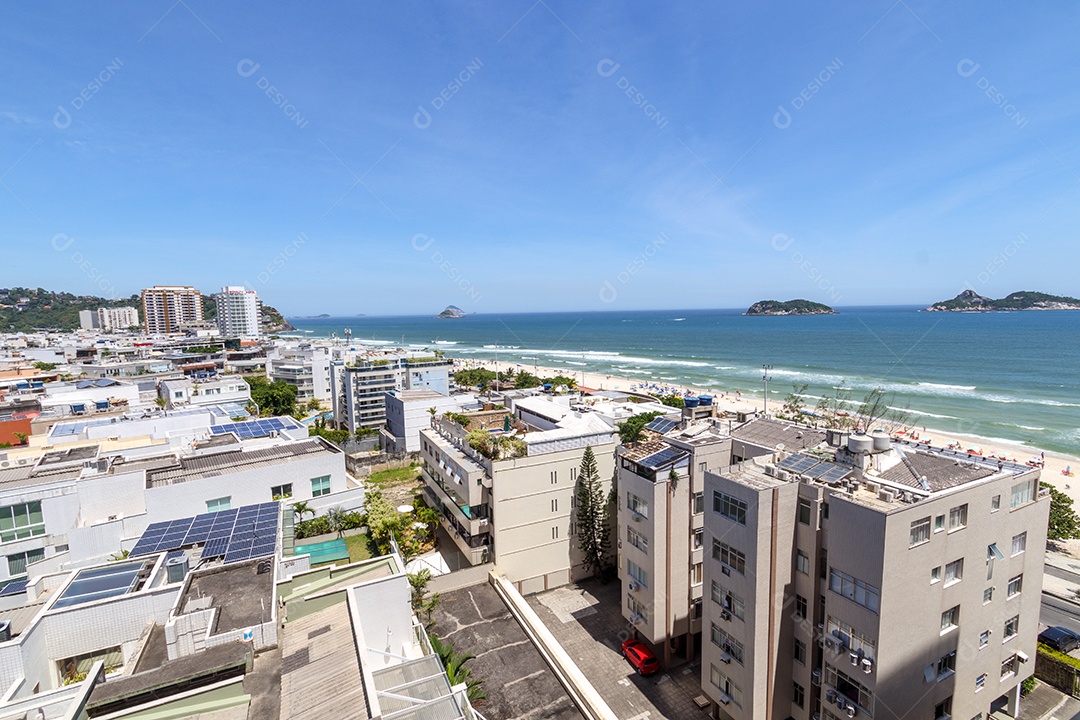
(1047, 703)
(1062, 588)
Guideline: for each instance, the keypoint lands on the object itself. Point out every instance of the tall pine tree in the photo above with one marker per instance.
(593, 518)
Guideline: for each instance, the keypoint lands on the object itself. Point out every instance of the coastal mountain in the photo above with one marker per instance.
(791, 307)
(451, 311)
(971, 301)
(29, 309)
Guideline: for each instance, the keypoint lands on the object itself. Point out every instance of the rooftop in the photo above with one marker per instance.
(941, 473)
(194, 468)
(242, 595)
(769, 433)
(320, 668)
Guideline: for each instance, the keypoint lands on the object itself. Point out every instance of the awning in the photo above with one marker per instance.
(78, 407)
(992, 552)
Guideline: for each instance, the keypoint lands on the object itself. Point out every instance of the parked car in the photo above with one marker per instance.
(641, 657)
(1059, 638)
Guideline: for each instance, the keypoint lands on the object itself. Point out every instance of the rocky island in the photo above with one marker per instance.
(791, 307)
(451, 311)
(971, 301)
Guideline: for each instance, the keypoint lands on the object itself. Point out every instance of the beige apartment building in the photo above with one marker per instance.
(862, 579)
(519, 510)
(167, 307)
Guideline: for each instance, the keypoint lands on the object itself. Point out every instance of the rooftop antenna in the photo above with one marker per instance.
(765, 378)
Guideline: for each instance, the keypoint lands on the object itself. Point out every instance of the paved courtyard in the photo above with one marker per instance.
(586, 620)
(518, 682)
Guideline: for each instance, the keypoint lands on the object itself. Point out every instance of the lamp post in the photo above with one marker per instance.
(765, 378)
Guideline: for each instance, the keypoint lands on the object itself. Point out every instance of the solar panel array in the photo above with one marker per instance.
(798, 464)
(237, 535)
(14, 588)
(252, 428)
(835, 473)
(661, 425)
(665, 456)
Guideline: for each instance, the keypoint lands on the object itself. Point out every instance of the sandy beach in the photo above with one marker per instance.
(1052, 473)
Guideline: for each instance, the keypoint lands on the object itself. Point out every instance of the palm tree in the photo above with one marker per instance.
(335, 519)
(301, 508)
(456, 672)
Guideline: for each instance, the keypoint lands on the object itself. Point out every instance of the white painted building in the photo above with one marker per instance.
(307, 369)
(409, 411)
(213, 391)
(118, 318)
(237, 312)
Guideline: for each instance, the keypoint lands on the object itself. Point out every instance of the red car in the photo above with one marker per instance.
(640, 657)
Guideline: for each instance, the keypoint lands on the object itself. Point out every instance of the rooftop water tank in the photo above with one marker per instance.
(836, 438)
(881, 440)
(705, 400)
(177, 568)
(860, 444)
(690, 402)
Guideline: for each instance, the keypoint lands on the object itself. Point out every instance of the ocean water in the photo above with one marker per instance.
(1011, 376)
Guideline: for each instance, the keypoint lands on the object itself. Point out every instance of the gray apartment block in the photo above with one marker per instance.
(861, 579)
(359, 391)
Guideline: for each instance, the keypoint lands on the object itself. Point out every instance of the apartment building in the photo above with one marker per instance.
(513, 501)
(116, 319)
(237, 312)
(166, 308)
(409, 411)
(864, 579)
(225, 389)
(359, 389)
(306, 369)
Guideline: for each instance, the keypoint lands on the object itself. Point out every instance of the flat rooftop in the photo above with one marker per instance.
(769, 433)
(320, 668)
(194, 468)
(242, 595)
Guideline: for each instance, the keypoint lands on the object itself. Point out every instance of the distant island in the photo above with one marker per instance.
(971, 301)
(791, 307)
(451, 311)
(312, 317)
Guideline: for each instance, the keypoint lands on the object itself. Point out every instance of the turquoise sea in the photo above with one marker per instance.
(1011, 376)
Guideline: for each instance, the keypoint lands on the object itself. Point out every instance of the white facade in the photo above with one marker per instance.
(306, 369)
(224, 389)
(88, 320)
(237, 312)
(121, 318)
(409, 411)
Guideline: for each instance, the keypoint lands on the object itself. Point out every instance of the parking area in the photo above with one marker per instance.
(518, 682)
(586, 620)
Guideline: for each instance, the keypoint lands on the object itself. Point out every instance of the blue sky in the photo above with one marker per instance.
(394, 158)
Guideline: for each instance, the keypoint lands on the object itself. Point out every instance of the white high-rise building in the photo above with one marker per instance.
(237, 312)
(120, 318)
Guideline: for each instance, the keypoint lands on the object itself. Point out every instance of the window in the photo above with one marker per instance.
(946, 665)
(320, 486)
(573, 530)
(850, 688)
(554, 477)
(1012, 628)
(695, 574)
(958, 518)
(995, 505)
(555, 532)
(939, 523)
(635, 607)
(1008, 667)
(699, 538)
(980, 682)
(730, 507)
(218, 505)
(984, 638)
(637, 539)
(725, 686)
(920, 532)
(695, 610)
(17, 563)
(935, 574)
(857, 591)
(1019, 543)
(1015, 586)
(18, 522)
(636, 573)
(573, 474)
(555, 505)
(800, 651)
(637, 505)
(943, 709)
(729, 556)
(800, 606)
(728, 600)
(798, 695)
(280, 492)
(854, 639)
(1022, 493)
(950, 619)
(954, 572)
(804, 511)
(699, 503)
(802, 563)
(988, 595)
(727, 643)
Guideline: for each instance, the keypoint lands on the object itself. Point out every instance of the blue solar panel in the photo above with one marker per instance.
(215, 547)
(661, 425)
(230, 533)
(174, 554)
(798, 463)
(664, 457)
(196, 536)
(13, 588)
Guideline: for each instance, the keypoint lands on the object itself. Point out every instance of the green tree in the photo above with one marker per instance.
(273, 398)
(1064, 522)
(314, 404)
(630, 429)
(456, 672)
(161, 402)
(593, 518)
(422, 603)
(335, 518)
(671, 400)
(525, 379)
(44, 366)
(21, 437)
(301, 508)
(794, 402)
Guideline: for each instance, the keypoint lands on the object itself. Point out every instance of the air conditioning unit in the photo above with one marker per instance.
(725, 569)
(830, 695)
(867, 665)
(725, 698)
(636, 517)
(725, 658)
(830, 644)
(840, 701)
(854, 657)
(817, 716)
(851, 711)
(770, 470)
(634, 585)
(872, 487)
(5, 463)
(725, 615)
(886, 495)
(815, 677)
